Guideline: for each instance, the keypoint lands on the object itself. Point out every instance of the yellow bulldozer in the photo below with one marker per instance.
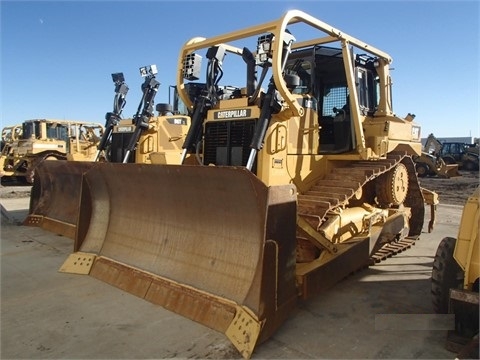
(10, 134)
(37, 140)
(281, 187)
(143, 139)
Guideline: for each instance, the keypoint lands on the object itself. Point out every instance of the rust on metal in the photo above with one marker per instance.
(55, 196)
(189, 243)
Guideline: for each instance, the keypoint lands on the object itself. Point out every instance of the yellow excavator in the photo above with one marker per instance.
(455, 281)
(282, 186)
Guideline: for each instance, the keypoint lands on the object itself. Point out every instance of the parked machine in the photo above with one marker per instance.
(145, 139)
(464, 155)
(455, 279)
(10, 134)
(281, 188)
(48, 139)
(431, 162)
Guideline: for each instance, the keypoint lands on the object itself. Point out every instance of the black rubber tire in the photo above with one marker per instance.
(446, 274)
(422, 169)
(469, 166)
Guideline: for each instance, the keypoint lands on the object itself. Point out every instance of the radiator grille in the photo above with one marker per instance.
(119, 143)
(228, 142)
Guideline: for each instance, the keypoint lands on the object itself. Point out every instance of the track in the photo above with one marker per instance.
(340, 186)
(391, 249)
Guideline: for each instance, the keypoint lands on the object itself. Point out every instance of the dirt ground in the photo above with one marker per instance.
(455, 190)
(452, 191)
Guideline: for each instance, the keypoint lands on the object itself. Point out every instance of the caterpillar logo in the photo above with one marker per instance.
(232, 114)
(124, 129)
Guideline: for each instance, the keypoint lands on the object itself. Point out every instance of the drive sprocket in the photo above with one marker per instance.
(392, 187)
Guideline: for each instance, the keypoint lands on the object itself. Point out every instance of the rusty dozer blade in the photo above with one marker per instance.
(55, 196)
(213, 244)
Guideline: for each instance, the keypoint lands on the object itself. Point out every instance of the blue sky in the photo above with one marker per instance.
(57, 57)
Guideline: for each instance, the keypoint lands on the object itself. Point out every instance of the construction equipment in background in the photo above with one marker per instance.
(431, 163)
(48, 139)
(145, 139)
(145, 108)
(462, 154)
(149, 139)
(277, 193)
(114, 117)
(10, 134)
(455, 280)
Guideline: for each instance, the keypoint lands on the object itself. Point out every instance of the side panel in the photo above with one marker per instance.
(467, 245)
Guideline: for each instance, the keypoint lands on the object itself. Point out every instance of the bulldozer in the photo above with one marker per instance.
(455, 281)
(432, 163)
(282, 187)
(10, 134)
(47, 139)
(144, 139)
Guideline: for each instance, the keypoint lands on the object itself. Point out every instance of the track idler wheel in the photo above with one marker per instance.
(392, 187)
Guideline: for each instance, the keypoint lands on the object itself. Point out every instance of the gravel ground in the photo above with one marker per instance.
(455, 190)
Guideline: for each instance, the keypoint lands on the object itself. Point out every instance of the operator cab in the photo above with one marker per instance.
(41, 129)
(321, 71)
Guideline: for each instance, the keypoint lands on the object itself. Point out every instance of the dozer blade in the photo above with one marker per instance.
(55, 196)
(213, 244)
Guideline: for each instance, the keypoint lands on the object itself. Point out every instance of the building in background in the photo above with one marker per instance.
(464, 139)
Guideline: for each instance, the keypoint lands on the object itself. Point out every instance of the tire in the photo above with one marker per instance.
(446, 274)
(469, 166)
(422, 169)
